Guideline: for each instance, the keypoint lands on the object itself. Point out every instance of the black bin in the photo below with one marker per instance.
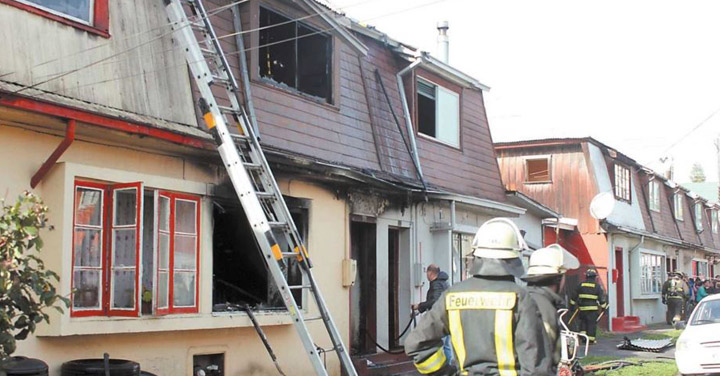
(20, 365)
(96, 367)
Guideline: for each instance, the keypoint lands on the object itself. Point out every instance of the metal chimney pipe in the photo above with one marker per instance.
(443, 42)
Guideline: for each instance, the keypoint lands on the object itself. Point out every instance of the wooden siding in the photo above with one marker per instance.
(148, 80)
(572, 187)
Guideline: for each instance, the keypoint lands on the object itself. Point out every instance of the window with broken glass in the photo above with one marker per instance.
(295, 55)
(135, 250)
(438, 112)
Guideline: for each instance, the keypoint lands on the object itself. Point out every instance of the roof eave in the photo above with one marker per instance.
(447, 71)
(341, 30)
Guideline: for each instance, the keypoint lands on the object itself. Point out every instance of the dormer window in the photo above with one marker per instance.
(654, 188)
(622, 182)
(294, 55)
(537, 169)
(438, 112)
(678, 206)
(714, 221)
(698, 216)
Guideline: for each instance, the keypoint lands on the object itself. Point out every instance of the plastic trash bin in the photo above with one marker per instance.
(96, 367)
(20, 365)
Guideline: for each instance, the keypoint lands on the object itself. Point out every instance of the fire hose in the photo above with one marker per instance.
(412, 321)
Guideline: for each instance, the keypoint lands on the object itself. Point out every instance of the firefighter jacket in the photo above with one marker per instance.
(589, 296)
(437, 286)
(674, 288)
(549, 303)
(494, 326)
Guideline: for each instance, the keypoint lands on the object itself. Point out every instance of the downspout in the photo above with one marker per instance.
(635, 248)
(408, 121)
(237, 22)
(452, 229)
(53, 158)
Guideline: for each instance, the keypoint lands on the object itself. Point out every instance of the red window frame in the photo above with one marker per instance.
(171, 309)
(100, 23)
(107, 226)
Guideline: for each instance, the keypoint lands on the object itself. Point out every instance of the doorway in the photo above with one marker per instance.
(363, 297)
(393, 287)
(619, 283)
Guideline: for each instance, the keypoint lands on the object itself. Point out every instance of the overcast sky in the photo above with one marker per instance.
(637, 75)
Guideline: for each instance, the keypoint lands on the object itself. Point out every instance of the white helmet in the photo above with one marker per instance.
(551, 261)
(498, 238)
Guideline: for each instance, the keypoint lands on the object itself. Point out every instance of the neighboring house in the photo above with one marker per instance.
(656, 226)
(149, 240)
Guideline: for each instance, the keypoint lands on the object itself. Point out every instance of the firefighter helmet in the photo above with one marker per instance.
(498, 238)
(591, 273)
(550, 261)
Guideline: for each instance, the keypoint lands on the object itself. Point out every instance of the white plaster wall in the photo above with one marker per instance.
(623, 214)
(532, 225)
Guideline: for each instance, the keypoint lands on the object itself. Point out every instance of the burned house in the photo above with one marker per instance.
(383, 154)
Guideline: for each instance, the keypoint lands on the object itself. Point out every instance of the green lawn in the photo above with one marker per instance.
(673, 334)
(647, 368)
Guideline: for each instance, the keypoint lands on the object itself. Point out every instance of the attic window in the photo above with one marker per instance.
(678, 203)
(654, 195)
(537, 170)
(698, 217)
(295, 55)
(622, 182)
(438, 112)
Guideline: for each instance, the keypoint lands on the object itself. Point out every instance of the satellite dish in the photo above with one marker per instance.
(602, 205)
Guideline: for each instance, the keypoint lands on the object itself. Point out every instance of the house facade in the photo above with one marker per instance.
(655, 225)
(383, 153)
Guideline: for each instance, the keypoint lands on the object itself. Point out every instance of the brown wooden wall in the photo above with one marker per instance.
(572, 187)
(358, 129)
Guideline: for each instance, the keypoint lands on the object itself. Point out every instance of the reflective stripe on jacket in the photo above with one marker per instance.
(495, 329)
(589, 296)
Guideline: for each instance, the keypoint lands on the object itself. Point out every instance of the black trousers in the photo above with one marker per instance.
(588, 323)
(674, 309)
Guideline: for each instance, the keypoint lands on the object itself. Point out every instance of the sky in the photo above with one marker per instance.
(637, 75)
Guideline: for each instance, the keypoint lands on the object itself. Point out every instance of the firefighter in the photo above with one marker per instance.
(589, 299)
(545, 278)
(673, 294)
(494, 325)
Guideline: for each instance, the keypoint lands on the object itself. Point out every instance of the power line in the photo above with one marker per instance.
(184, 62)
(693, 130)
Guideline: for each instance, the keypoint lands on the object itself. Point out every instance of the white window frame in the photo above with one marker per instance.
(654, 188)
(91, 12)
(438, 123)
(714, 220)
(652, 275)
(678, 202)
(620, 178)
(698, 216)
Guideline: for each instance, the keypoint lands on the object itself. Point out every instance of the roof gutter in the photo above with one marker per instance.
(64, 145)
(408, 120)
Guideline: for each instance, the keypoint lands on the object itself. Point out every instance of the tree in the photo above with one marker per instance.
(26, 288)
(697, 174)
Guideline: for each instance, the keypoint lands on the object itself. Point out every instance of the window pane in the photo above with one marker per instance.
(87, 247)
(76, 8)
(86, 287)
(164, 251)
(162, 289)
(185, 216)
(183, 289)
(277, 48)
(448, 118)
(164, 214)
(184, 252)
(313, 62)
(426, 109)
(125, 207)
(88, 206)
(538, 170)
(125, 247)
(123, 289)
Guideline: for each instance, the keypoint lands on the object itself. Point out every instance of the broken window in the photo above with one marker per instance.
(240, 274)
(537, 170)
(295, 55)
(438, 113)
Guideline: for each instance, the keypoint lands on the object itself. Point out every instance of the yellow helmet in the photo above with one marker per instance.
(498, 238)
(550, 261)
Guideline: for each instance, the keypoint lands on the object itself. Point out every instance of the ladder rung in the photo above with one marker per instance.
(252, 166)
(228, 110)
(198, 26)
(217, 80)
(279, 225)
(238, 137)
(265, 195)
(298, 287)
(316, 318)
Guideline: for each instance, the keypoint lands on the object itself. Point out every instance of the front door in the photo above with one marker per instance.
(619, 283)
(363, 305)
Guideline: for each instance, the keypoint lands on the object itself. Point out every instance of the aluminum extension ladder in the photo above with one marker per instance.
(250, 174)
